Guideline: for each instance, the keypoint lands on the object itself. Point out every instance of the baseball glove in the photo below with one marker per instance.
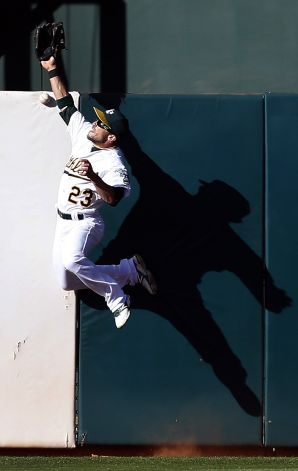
(49, 39)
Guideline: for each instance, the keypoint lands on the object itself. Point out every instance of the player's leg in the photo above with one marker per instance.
(105, 280)
(74, 241)
(67, 280)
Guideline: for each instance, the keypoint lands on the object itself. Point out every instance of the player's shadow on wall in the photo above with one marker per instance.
(184, 237)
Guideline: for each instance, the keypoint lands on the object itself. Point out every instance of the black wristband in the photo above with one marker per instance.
(53, 73)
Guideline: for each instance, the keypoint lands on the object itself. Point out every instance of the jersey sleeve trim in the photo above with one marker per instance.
(67, 113)
(65, 101)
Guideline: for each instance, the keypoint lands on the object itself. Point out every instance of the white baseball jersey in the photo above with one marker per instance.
(78, 193)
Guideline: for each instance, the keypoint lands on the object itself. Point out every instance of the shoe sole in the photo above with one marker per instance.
(146, 279)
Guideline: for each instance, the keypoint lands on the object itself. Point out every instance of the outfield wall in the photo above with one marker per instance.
(37, 347)
(203, 362)
(212, 359)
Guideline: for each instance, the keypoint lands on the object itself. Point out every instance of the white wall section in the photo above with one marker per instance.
(37, 335)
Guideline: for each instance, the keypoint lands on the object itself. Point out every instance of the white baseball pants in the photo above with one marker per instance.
(74, 241)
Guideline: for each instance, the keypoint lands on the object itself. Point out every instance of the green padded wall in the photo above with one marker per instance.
(187, 368)
(281, 427)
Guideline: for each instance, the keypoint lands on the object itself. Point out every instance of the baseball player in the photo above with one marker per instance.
(94, 175)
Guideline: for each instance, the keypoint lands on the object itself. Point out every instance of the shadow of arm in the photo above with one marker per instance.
(252, 271)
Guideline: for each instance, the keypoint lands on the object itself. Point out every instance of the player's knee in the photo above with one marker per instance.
(68, 281)
(65, 285)
(65, 279)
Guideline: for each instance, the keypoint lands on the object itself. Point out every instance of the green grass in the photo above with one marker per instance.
(110, 463)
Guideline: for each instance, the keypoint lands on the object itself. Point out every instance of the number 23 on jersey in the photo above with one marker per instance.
(83, 197)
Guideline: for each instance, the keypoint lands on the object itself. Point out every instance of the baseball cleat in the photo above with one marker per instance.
(145, 277)
(122, 314)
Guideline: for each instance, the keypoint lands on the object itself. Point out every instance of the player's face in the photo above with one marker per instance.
(98, 135)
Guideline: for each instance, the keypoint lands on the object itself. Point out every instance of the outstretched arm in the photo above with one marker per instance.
(63, 98)
(109, 194)
(58, 86)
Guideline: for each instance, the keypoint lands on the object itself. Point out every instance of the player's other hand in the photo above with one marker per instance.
(85, 169)
(49, 64)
